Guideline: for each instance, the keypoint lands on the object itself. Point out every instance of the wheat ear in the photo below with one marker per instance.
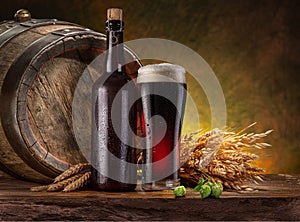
(62, 184)
(71, 171)
(230, 164)
(39, 188)
(78, 183)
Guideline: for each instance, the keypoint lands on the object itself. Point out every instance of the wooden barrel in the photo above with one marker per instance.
(40, 63)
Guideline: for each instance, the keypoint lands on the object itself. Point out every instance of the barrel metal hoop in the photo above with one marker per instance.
(25, 26)
(36, 22)
(29, 61)
(76, 31)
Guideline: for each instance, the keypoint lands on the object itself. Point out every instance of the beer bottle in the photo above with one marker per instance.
(113, 156)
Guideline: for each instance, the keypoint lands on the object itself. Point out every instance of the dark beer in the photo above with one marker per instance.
(113, 95)
(163, 91)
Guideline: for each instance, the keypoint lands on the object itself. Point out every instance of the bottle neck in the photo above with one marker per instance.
(114, 46)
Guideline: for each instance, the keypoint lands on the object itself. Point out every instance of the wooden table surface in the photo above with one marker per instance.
(277, 198)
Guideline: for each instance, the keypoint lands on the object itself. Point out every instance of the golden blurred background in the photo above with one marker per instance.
(252, 46)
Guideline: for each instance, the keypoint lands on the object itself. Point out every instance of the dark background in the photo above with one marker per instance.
(252, 46)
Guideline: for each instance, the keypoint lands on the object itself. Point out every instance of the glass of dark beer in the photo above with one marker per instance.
(163, 93)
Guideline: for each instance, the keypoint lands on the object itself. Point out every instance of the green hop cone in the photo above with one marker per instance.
(179, 191)
(216, 190)
(205, 191)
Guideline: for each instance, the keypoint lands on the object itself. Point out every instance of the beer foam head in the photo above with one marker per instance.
(163, 72)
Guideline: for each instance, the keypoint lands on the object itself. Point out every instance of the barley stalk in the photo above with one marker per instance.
(71, 171)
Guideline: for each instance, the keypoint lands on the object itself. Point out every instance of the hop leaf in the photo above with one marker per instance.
(200, 183)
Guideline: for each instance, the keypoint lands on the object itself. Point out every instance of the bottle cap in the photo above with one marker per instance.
(114, 14)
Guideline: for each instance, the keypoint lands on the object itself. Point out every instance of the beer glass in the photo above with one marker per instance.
(163, 93)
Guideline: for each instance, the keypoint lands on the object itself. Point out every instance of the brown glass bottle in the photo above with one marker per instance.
(113, 156)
